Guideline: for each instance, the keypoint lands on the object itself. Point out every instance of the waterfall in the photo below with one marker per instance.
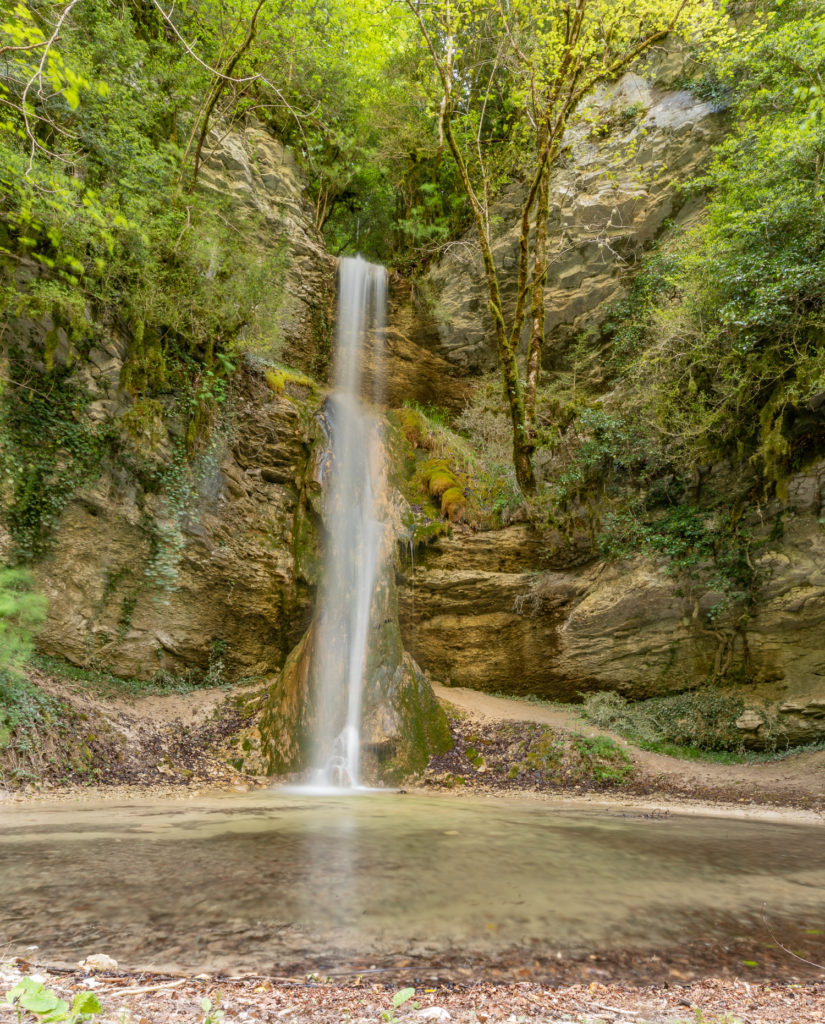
(356, 536)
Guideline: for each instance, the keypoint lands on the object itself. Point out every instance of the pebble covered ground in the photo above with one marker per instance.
(153, 999)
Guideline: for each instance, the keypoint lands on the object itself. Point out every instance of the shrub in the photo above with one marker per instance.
(704, 718)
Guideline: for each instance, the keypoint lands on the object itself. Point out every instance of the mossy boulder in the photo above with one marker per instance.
(402, 723)
(437, 477)
(453, 504)
(413, 426)
(406, 727)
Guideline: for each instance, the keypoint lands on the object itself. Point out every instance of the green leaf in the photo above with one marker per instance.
(86, 1002)
(402, 996)
(43, 1002)
(21, 988)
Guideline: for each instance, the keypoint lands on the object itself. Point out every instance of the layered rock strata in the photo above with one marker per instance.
(484, 610)
(611, 193)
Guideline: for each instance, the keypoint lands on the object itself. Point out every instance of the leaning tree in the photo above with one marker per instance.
(529, 64)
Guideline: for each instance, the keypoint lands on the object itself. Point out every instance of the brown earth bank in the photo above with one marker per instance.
(368, 997)
(95, 743)
(483, 723)
(186, 743)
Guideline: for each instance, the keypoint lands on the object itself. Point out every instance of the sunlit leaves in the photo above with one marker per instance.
(22, 610)
(737, 364)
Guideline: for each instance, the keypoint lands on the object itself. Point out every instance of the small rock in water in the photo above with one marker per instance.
(99, 962)
(433, 1013)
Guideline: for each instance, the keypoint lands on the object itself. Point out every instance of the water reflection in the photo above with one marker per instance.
(286, 878)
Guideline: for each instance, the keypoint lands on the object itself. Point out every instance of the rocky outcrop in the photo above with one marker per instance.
(402, 723)
(482, 610)
(610, 195)
(259, 178)
(150, 587)
(411, 369)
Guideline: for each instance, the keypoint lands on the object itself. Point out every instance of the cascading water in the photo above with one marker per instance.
(356, 536)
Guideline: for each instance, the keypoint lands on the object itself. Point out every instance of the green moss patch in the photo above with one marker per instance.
(286, 380)
(442, 477)
(525, 755)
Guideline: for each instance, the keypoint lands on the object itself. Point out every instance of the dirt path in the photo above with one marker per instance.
(191, 708)
(796, 781)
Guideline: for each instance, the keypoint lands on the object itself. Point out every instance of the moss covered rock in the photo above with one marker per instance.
(453, 504)
(402, 723)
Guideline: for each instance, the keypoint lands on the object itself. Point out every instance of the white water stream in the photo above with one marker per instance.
(354, 499)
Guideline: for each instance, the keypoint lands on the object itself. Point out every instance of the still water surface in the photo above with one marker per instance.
(259, 881)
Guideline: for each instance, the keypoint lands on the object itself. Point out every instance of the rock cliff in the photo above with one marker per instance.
(141, 580)
(610, 195)
(146, 588)
(485, 611)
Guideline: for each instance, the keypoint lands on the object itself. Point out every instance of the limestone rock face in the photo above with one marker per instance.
(610, 195)
(553, 634)
(140, 589)
(786, 634)
(266, 191)
(412, 370)
(482, 610)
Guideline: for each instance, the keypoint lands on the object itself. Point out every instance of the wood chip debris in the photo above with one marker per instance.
(258, 1000)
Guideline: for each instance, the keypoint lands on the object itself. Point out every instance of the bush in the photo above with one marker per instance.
(704, 718)
(22, 610)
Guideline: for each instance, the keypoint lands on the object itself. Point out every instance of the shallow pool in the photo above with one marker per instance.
(259, 881)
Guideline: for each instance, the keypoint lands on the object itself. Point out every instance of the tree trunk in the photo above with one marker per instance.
(537, 307)
(218, 88)
(522, 449)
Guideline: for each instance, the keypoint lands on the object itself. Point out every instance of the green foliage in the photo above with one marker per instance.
(161, 683)
(704, 718)
(380, 183)
(627, 324)
(604, 446)
(213, 1014)
(22, 611)
(48, 448)
(720, 343)
(23, 708)
(707, 549)
(26, 715)
(399, 999)
(47, 1007)
(715, 355)
(99, 239)
(603, 758)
